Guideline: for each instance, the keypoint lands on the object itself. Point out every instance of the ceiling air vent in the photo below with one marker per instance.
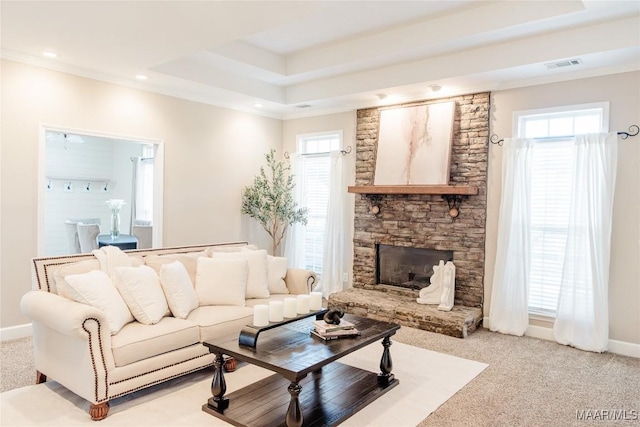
(303, 106)
(562, 64)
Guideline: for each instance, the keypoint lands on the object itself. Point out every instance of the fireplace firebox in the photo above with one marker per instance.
(407, 267)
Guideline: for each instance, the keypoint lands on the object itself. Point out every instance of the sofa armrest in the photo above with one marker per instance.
(300, 280)
(61, 314)
(71, 343)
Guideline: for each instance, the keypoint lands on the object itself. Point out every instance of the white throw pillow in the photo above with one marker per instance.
(188, 259)
(257, 281)
(141, 290)
(178, 289)
(64, 270)
(276, 270)
(222, 281)
(95, 288)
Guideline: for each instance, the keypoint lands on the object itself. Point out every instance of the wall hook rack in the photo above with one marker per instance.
(633, 131)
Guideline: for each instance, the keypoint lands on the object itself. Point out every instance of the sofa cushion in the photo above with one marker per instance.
(78, 267)
(230, 248)
(216, 321)
(178, 289)
(141, 290)
(189, 260)
(137, 341)
(221, 281)
(136, 261)
(276, 270)
(95, 288)
(257, 282)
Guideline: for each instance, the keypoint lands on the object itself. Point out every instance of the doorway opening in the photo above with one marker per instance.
(79, 171)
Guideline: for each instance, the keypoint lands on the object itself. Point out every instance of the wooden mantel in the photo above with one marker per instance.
(463, 190)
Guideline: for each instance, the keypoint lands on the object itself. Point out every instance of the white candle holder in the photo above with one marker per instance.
(261, 315)
(276, 311)
(315, 301)
(290, 307)
(303, 304)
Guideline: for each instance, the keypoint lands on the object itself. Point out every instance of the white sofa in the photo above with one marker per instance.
(73, 343)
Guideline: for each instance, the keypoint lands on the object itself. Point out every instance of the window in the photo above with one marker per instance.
(312, 183)
(552, 169)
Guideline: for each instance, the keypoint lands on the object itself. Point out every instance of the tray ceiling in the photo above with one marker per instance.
(326, 55)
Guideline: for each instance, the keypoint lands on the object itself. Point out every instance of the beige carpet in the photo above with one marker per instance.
(423, 387)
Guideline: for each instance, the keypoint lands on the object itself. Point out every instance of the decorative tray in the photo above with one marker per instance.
(249, 334)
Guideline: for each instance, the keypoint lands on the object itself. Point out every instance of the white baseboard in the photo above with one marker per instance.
(14, 332)
(614, 346)
(624, 348)
(540, 332)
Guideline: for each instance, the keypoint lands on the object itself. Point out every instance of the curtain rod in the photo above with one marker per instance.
(345, 151)
(633, 131)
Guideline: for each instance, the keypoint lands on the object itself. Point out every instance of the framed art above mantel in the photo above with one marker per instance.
(414, 145)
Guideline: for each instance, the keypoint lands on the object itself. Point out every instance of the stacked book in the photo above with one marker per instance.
(328, 331)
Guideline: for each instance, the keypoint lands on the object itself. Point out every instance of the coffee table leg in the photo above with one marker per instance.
(294, 413)
(218, 386)
(385, 376)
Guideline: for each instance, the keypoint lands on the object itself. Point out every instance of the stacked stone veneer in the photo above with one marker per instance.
(423, 220)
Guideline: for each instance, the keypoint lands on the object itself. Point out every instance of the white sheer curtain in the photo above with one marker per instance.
(582, 318)
(293, 231)
(509, 294)
(134, 190)
(333, 253)
(142, 189)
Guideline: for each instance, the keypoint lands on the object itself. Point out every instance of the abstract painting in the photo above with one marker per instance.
(414, 145)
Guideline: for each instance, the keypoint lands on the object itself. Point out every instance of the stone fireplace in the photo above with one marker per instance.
(422, 221)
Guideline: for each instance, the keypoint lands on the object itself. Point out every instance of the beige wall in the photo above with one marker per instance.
(623, 93)
(345, 122)
(211, 153)
(204, 146)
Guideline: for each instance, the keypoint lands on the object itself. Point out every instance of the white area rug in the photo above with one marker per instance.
(427, 380)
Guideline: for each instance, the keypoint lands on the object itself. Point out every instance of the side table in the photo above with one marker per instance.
(123, 241)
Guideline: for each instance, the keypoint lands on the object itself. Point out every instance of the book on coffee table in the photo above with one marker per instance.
(321, 325)
(328, 336)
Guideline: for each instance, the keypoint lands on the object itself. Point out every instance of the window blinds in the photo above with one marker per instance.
(550, 197)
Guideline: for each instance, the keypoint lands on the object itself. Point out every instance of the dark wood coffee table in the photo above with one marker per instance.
(332, 393)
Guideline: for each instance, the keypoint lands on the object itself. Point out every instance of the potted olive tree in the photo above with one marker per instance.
(269, 200)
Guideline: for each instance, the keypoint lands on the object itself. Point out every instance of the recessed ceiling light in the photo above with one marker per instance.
(49, 54)
(257, 105)
(141, 77)
(382, 96)
(435, 88)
